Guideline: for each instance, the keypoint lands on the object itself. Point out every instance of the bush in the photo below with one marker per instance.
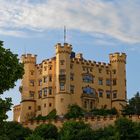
(46, 131)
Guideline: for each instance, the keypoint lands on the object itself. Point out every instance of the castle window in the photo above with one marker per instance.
(32, 93)
(40, 71)
(100, 70)
(39, 82)
(39, 108)
(29, 107)
(71, 88)
(45, 91)
(71, 76)
(85, 104)
(44, 105)
(62, 86)
(90, 69)
(50, 67)
(45, 79)
(108, 94)
(45, 68)
(32, 83)
(88, 90)
(107, 71)
(39, 94)
(114, 82)
(108, 83)
(100, 81)
(50, 104)
(62, 62)
(32, 72)
(114, 94)
(100, 93)
(62, 71)
(114, 71)
(50, 90)
(88, 78)
(71, 66)
(50, 78)
(91, 105)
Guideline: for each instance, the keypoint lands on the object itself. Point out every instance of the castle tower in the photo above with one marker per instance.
(63, 97)
(28, 87)
(118, 77)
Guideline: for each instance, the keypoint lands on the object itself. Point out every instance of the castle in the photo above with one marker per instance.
(66, 79)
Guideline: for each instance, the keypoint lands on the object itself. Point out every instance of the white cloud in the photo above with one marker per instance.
(116, 18)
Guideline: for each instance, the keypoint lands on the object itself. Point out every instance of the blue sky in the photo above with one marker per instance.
(94, 27)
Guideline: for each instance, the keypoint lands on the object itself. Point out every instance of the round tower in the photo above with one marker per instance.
(63, 97)
(118, 77)
(27, 88)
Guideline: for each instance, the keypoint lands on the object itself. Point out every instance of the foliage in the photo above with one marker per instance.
(51, 115)
(10, 69)
(5, 106)
(133, 106)
(74, 111)
(34, 137)
(72, 130)
(14, 131)
(104, 112)
(46, 131)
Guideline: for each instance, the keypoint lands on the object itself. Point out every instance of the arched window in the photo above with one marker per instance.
(88, 90)
(88, 78)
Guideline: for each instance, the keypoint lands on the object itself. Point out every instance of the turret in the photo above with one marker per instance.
(118, 77)
(28, 87)
(63, 97)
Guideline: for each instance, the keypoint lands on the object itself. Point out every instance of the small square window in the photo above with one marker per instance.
(100, 70)
(114, 82)
(39, 108)
(62, 62)
(115, 95)
(62, 86)
(50, 104)
(32, 83)
(108, 94)
(100, 81)
(29, 107)
(100, 93)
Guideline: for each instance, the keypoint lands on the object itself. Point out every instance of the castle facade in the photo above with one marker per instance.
(68, 78)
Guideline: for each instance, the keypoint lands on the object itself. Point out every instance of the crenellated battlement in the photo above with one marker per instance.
(117, 57)
(28, 58)
(90, 63)
(66, 48)
(95, 122)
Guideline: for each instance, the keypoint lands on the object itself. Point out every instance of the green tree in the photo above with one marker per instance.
(10, 71)
(14, 131)
(46, 131)
(34, 137)
(133, 106)
(125, 129)
(74, 111)
(72, 130)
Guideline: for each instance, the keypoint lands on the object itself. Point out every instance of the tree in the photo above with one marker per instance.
(125, 129)
(34, 137)
(14, 131)
(10, 71)
(74, 111)
(46, 131)
(72, 130)
(133, 106)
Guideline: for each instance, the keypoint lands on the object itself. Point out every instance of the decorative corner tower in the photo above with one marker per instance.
(28, 87)
(63, 96)
(118, 77)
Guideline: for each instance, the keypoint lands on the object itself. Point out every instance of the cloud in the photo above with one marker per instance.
(115, 18)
